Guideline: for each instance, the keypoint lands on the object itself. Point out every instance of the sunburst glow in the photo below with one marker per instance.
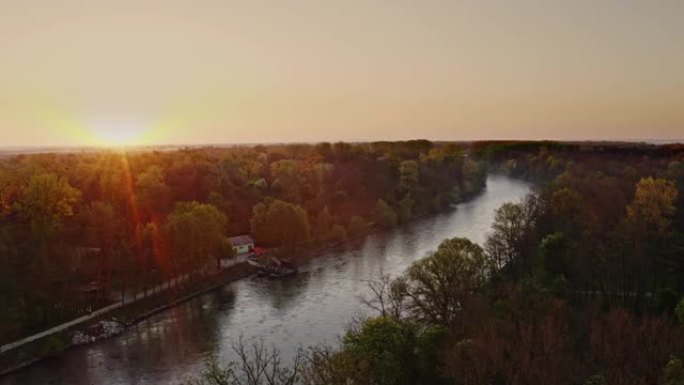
(119, 133)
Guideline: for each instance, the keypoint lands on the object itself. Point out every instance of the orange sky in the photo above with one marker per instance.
(222, 71)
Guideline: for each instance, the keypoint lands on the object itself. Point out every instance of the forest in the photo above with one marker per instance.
(582, 282)
(579, 283)
(79, 231)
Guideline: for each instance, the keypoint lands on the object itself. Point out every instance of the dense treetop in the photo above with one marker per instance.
(124, 221)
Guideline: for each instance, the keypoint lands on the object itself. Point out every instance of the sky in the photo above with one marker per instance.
(97, 72)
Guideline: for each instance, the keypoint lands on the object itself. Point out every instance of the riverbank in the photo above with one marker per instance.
(310, 308)
(130, 314)
(124, 316)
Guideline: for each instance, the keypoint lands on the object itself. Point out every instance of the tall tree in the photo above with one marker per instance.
(197, 234)
(45, 201)
(152, 193)
(409, 174)
(504, 244)
(441, 284)
(653, 209)
(280, 224)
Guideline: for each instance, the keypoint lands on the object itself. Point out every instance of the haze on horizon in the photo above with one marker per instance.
(209, 71)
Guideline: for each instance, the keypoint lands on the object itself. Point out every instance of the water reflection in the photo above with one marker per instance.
(281, 293)
(309, 308)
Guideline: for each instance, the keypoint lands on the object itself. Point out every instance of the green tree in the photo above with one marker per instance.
(679, 311)
(280, 223)
(384, 215)
(509, 243)
(440, 285)
(196, 232)
(383, 350)
(474, 178)
(258, 222)
(152, 194)
(286, 179)
(45, 201)
(409, 174)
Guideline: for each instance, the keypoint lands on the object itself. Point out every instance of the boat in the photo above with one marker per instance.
(273, 267)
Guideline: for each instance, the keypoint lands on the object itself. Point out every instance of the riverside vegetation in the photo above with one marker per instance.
(79, 231)
(580, 283)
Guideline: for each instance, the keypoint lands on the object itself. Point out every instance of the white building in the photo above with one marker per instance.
(242, 244)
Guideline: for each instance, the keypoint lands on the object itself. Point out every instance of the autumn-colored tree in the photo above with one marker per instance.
(612, 341)
(286, 179)
(566, 209)
(653, 207)
(45, 200)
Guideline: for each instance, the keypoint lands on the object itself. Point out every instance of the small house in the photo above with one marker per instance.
(242, 244)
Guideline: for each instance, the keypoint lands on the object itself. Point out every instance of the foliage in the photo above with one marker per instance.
(511, 240)
(280, 223)
(384, 215)
(679, 311)
(153, 196)
(197, 234)
(382, 349)
(438, 286)
(575, 284)
(653, 206)
(45, 201)
(112, 217)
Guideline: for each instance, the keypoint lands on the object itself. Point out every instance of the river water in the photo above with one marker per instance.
(307, 309)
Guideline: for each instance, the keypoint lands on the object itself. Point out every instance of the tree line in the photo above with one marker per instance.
(579, 283)
(79, 229)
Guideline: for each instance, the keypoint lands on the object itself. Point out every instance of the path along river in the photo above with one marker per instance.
(309, 308)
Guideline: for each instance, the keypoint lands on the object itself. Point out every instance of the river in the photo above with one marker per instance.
(309, 308)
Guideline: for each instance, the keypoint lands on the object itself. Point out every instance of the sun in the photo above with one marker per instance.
(118, 134)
